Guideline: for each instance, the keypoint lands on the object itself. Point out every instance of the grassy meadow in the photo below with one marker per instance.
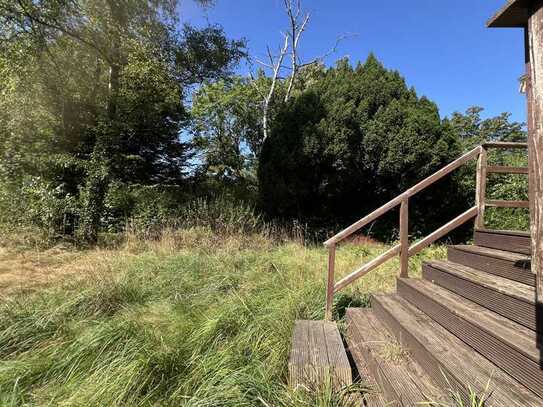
(188, 318)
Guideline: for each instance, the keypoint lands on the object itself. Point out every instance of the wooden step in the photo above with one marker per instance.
(511, 241)
(507, 344)
(514, 266)
(402, 381)
(318, 355)
(508, 298)
(446, 358)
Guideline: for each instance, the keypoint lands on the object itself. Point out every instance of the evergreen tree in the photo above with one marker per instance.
(350, 142)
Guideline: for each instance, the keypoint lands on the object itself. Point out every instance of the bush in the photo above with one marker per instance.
(351, 142)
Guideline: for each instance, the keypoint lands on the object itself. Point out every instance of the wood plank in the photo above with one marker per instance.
(403, 381)
(404, 239)
(510, 299)
(500, 169)
(510, 346)
(337, 357)
(299, 354)
(497, 203)
(513, 266)
(534, 52)
(406, 195)
(518, 242)
(317, 355)
(480, 188)
(505, 145)
(372, 395)
(330, 282)
(446, 358)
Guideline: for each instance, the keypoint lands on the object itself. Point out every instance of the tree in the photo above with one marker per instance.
(227, 130)
(108, 80)
(298, 19)
(352, 141)
(472, 130)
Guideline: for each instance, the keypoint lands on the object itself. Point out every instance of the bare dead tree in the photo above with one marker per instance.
(298, 21)
(275, 65)
(297, 27)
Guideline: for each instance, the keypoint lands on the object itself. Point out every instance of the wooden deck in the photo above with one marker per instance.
(318, 356)
(468, 325)
(468, 322)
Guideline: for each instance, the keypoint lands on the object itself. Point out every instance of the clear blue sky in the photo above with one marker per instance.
(442, 48)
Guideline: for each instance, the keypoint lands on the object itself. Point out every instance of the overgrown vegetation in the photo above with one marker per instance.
(184, 319)
(113, 113)
(159, 214)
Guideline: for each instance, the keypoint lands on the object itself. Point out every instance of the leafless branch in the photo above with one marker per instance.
(269, 96)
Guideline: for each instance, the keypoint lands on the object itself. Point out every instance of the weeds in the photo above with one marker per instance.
(187, 318)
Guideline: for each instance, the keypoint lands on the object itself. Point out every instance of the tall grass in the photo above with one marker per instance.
(184, 319)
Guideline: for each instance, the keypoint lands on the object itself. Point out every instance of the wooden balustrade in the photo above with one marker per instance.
(403, 249)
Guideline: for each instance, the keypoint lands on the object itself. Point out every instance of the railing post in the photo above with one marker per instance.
(331, 282)
(480, 190)
(404, 238)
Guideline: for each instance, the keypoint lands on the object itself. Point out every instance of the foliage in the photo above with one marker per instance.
(227, 129)
(185, 320)
(472, 130)
(95, 93)
(353, 140)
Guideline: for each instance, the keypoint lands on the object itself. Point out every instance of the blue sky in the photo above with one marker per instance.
(442, 48)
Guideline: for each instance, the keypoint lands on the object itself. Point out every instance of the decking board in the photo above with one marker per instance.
(402, 381)
(513, 266)
(318, 355)
(518, 242)
(508, 298)
(446, 358)
(510, 346)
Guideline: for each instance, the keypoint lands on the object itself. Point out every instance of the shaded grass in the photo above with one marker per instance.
(188, 319)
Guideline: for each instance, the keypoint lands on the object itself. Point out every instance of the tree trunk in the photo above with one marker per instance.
(98, 173)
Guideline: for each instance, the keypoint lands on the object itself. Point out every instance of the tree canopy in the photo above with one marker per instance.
(354, 139)
(95, 92)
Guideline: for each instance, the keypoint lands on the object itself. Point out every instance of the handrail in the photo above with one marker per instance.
(504, 145)
(407, 194)
(403, 249)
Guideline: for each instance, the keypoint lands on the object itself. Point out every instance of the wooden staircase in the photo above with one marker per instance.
(466, 327)
(469, 327)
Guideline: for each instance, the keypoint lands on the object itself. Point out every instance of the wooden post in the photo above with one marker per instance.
(480, 190)
(534, 64)
(404, 238)
(330, 282)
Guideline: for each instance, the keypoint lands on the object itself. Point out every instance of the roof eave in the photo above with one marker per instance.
(513, 15)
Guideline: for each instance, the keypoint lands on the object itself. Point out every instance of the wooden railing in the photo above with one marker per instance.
(402, 248)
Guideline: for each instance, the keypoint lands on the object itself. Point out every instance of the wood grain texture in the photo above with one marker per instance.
(404, 238)
(318, 355)
(330, 282)
(510, 346)
(517, 242)
(497, 203)
(403, 382)
(480, 189)
(499, 169)
(513, 266)
(510, 299)
(446, 358)
(535, 143)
